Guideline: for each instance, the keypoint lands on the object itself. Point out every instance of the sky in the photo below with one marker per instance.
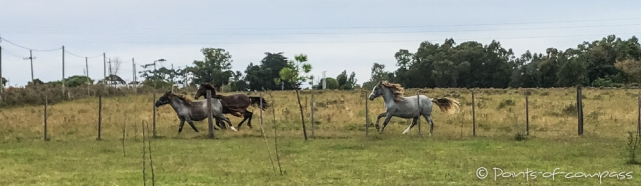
(336, 35)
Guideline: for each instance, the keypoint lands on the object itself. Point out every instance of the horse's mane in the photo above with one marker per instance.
(396, 89)
(208, 86)
(184, 98)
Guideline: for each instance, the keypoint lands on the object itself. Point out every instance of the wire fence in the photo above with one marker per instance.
(105, 113)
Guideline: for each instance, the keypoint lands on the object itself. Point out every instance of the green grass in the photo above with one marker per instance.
(389, 159)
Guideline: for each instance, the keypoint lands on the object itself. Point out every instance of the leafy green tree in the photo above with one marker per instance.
(262, 76)
(331, 83)
(215, 69)
(75, 81)
(4, 81)
(295, 73)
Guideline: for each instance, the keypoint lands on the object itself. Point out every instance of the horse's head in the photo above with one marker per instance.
(163, 100)
(376, 91)
(202, 90)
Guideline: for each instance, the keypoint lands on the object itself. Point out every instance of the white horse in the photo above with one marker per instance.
(408, 107)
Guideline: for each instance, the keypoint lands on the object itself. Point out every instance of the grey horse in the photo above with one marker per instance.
(408, 107)
(190, 111)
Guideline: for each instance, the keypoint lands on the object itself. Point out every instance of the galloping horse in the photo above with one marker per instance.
(408, 107)
(190, 111)
(234, 104)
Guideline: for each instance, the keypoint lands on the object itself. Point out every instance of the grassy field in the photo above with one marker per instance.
(340, 154)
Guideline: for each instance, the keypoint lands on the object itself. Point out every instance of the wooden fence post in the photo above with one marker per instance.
(527, 114)
(366, 116)
(473, 115)
(45, 119)
(210, 117)
(99, 115)
(579, 106)
(639, 117)
(153, 125)
(312, 112)
(262, 131)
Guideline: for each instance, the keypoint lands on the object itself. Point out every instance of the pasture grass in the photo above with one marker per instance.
(339, 155)
(378, 160)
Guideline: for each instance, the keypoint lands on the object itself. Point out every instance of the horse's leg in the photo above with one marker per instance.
(429, 119)
(378, 118)
(182, 123)
(229, 122)
(191, 123)
(414, 121)
(220, 124)
(389, 117)
(248, 116)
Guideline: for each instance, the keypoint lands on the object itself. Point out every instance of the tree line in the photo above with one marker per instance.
(611, 62)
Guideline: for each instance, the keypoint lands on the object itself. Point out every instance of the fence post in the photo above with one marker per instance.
(210, 117)
(527, 114)
(262, 131)
(312, 112)
(473, 115)
(153, 125)
(579, 106)
(45, 119)
(639, 117)
(366, 117)
(418, 99)
(99, 114)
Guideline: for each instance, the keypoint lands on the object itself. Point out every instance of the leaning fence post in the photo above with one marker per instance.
(210, 119)
(527, 114)
(366, 117)
(639, 117)
(473, 115)
(418, 121)
(262, 131)
(99, 115)
(312, 112)
(153, 125)
(45, 119)
(579, 106)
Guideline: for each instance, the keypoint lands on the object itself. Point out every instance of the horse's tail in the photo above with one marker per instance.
(256, 102)
(447, 105)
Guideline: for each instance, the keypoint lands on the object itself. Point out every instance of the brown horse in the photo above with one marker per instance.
(233, 104)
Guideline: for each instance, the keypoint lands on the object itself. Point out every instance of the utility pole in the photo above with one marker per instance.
(1, 83)
(324, 80)
(110, 73)
(172, 77)
(133, 63)
(104, 81)
(87, 66)
(63, 69)
(31, 59)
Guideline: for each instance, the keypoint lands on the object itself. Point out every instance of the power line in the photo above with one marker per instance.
(3, 39)
(66, 51)
(12, 54)
(382, 32)
(366, 27)
(374, 41)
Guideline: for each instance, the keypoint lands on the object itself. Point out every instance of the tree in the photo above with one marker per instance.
(631, 68)
(4, 81)
(295, 73)
(331, 83)
(342, 78)
(262, 76)
(215, 69)
(114, 65)
(75, 81)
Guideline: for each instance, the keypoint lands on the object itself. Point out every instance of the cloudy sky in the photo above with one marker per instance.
(336, 35)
